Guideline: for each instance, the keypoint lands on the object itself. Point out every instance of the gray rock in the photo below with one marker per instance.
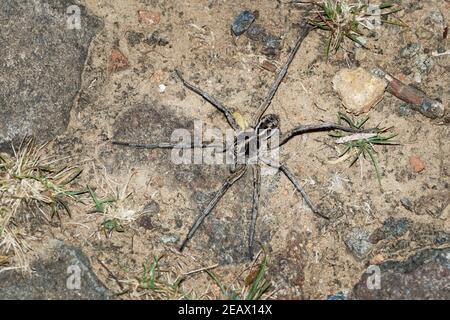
(425, 275)
(424, 63)
(407, 204)
(271, 45)
(134, 38)
(391, 228)
(242, 22)
(40, 66)
(54, 277)
(256, 32)
(358, 242)
(410, 50)
(145, 221)
(156, 39)
(152, 207)
(337, 296)
(405, 110)
(170, 238)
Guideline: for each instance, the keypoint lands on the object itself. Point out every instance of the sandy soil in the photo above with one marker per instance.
(308, 256)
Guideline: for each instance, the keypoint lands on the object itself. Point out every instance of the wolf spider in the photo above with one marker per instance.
(260, 125)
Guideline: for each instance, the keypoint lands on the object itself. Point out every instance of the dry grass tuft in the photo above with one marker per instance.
(31, 181)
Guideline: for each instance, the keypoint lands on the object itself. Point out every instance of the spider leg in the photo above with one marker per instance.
(166, 145)
(219, 194)
(305, 29)
(288, 173)
(255, 208)
(327, 126)
(218, 105)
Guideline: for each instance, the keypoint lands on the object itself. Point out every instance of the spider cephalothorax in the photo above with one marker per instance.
(269, 122)
(249, 143)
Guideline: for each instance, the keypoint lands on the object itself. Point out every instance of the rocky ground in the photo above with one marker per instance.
(113, 79)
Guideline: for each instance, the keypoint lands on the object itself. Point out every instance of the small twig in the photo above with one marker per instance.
(201, 270)
(110, 274)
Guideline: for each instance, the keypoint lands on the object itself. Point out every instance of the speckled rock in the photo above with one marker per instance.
(53, 278)
(41, 64)
(425, 275)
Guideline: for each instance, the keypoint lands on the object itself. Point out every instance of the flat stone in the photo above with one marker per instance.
(358, 89)
(242, 22)
(424, 276)
(170, 238)
(40, 66)
(392, 228)
(53, 278)
(358, 242)
(417, 164)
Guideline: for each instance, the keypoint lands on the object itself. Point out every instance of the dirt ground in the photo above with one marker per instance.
(309, 257)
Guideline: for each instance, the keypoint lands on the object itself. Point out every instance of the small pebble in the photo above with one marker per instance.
(267, 65)
(134, 38)
(152, 207)
(118, 61)
(337, 296)
(405, 110)
(145, 221)
(271, 45)
(242, 22)
(410, 50)
(407, 204)
(157, 39)
(441, 50)
(149, 17)
(358, 242)
(358, 89)
(417, 164)
(256, 32)
(170, 238)
(377, 259)
(162, 88)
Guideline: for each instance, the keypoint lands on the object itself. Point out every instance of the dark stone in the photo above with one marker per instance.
(242, 22)
(405, 110)
(51, 278)
(424, 276)
(407, 204)
(256, 32)
(392, 228)
(134, 38)
(410, 50)
(145, 221)
(156, 39)
(337, 296)
(432, 204)
(358, 242)
(152, 207)
(41, 65)
(271, 45)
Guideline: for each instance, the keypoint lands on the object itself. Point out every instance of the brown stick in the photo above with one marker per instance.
(417, 99)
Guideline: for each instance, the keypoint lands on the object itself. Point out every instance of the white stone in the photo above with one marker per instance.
(358, 89)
